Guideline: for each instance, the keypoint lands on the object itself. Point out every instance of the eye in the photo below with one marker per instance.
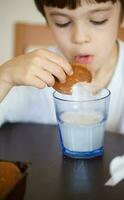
(62, 25)
(99, 22)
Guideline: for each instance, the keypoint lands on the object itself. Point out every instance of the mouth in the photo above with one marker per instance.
(84, 59)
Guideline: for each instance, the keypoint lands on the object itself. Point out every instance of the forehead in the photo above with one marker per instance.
(72, 4)
(84, 7)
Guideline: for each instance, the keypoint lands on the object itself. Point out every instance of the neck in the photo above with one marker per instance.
(109, 68)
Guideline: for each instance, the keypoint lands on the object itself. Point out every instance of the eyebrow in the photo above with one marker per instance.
(56, 13)
(101, 9)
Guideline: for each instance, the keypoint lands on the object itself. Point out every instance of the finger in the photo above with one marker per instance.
(59, 60)
(45, 76)
(55, 70)
(36, 82)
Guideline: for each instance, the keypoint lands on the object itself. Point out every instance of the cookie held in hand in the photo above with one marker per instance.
(80, 74)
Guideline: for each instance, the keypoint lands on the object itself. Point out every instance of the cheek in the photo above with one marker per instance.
(108, 36)
(106, 41)
(63, 41)
(61, 35)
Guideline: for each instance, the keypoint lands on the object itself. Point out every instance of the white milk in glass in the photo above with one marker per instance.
(82, 132)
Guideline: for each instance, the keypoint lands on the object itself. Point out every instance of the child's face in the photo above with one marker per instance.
(87, 34)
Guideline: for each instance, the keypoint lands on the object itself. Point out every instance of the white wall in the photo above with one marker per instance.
(12, 11)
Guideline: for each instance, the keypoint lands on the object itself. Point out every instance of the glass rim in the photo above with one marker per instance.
(90, 100)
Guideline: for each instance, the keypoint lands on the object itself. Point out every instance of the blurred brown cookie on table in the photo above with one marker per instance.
(80, 74)
(9, 175)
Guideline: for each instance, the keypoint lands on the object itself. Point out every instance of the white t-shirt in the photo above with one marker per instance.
(29, 104)
(115, 122)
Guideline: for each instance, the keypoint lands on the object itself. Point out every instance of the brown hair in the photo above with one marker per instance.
(71, 4)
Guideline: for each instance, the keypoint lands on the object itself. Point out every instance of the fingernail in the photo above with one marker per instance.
(63, 81)
(71, 73)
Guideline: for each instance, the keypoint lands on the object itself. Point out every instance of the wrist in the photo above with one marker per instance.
(4, 89)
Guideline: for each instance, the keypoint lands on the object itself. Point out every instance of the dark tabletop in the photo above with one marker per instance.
(52, 176)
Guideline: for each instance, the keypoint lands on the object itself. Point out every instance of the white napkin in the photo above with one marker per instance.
(116, 171)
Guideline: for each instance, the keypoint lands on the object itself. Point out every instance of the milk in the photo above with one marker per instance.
(81, 131)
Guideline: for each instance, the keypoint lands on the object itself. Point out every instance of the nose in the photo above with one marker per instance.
(80, 35)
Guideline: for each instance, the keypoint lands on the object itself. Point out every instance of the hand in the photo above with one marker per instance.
(38, 68)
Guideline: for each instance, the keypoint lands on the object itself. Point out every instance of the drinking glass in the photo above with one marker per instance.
(81, 123)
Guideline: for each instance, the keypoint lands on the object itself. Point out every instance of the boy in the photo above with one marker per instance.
(86, 32)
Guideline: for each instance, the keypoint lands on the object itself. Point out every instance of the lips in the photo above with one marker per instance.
(84, 59)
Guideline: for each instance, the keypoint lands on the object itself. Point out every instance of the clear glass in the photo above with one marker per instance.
(81, 123)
